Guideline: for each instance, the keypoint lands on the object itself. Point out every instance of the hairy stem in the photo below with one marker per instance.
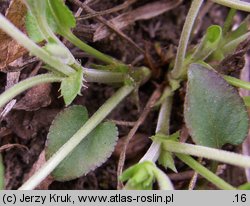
(22, 39)
(185, 36)
(20, 87)
(69, 146)
(207, 152)
(235, 4)
(220, 183)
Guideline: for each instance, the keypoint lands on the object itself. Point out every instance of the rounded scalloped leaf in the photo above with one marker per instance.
(214, 112)
(89, 154)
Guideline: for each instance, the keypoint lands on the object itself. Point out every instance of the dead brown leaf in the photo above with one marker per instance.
(10, 50)
(35, 98)
(235, 62)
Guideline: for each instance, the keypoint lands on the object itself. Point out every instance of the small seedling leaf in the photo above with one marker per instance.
(63, 17)
(209, 43)
(139, 176)
(71, 86)
(214, 112)
(89, 154)
(166, 160)
(142, 176)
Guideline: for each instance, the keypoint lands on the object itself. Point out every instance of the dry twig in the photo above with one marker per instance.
(154, 97)
(108, 24)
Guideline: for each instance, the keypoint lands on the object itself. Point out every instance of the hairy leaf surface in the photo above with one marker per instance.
(214, 112)
(90, 153)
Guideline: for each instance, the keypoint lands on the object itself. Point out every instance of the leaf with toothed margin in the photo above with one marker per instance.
(214, 112)
(166, 158)
(71, 86)
(90, 153)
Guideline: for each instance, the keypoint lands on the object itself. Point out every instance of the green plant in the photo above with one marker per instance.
(214, 113)
(206, 110)
(44, 18)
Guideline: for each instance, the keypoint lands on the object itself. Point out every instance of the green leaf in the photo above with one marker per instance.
(1, 173)
(166, 160)
(209, 43)
(89, 154)
(214, 112)
(139, 176)
(142, 176)
(37, 7)
(32, 28)
(46, 13)
(63, 17)
(71, 86)
(247, 100)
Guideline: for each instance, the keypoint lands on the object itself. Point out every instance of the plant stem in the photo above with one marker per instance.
(163, 180)
(93, 75)
(90, 50)
(229, 20)
(69, 146)
(185, 36)
(237, 82)
(207, 152)
(163, 127)
(220, 183)
(1, 173)
(22, 39)
(235, 4)
(20, 87)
